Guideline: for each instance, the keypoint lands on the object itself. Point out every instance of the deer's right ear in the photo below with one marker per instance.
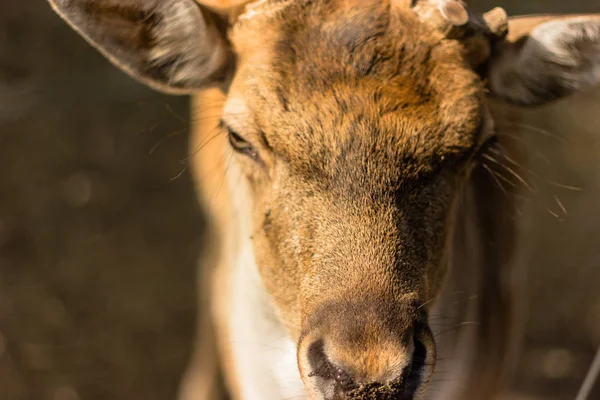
(174, 46)
(546, 59)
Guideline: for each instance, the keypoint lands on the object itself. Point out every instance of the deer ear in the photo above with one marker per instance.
(174, 46)
(547, 59)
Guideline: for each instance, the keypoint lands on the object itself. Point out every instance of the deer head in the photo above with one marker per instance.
(355, 125)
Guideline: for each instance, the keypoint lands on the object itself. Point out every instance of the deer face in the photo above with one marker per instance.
(354, 126)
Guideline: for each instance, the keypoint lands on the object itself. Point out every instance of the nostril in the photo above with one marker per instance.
(325, 369)
(420, 354)
(317, 357)
(413, 374)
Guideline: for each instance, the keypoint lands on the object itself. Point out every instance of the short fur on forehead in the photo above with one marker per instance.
(353, 75)
(264, 8)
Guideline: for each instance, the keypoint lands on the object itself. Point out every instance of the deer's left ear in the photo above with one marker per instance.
(545, 59)
(175, 46)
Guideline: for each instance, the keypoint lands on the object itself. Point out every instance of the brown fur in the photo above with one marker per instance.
(367, 194)
(388, 162)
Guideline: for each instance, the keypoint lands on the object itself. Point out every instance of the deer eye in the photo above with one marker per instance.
(239, 144)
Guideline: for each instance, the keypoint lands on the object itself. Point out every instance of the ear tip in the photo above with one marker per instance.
(497, 20)
(454, 11)
(61, 6)
(59, 3)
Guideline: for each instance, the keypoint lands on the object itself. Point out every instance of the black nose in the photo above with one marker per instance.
(337, 384)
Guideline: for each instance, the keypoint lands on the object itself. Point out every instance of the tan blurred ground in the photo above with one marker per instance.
(98, 243)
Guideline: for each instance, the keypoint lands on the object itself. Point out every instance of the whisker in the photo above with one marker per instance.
(427, 302)
(180, 173)
(591, 378)
(536, 130)
(553, 213)
(204, 144)
(174, 114)
(224, 175)
(505, 179)
(567, 187)
(510, 159)
(493, 175)
(149, 130)
(164, 138)
(458, 327)
(560, 204)
(510, 170)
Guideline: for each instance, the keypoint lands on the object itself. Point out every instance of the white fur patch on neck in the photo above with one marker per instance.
(264, 355)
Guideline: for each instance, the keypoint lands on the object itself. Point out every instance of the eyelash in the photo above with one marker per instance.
(486, 145)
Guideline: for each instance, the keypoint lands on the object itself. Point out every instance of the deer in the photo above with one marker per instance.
(341, 150)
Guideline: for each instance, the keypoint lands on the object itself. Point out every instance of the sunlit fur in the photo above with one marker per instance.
(368, 222)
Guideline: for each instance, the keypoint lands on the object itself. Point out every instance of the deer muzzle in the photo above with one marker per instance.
(367, 350)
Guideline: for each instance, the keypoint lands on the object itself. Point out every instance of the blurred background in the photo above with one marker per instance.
(100, 230)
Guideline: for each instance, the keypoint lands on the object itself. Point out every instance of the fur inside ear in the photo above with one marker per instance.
(173, 46)
(556, 59)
